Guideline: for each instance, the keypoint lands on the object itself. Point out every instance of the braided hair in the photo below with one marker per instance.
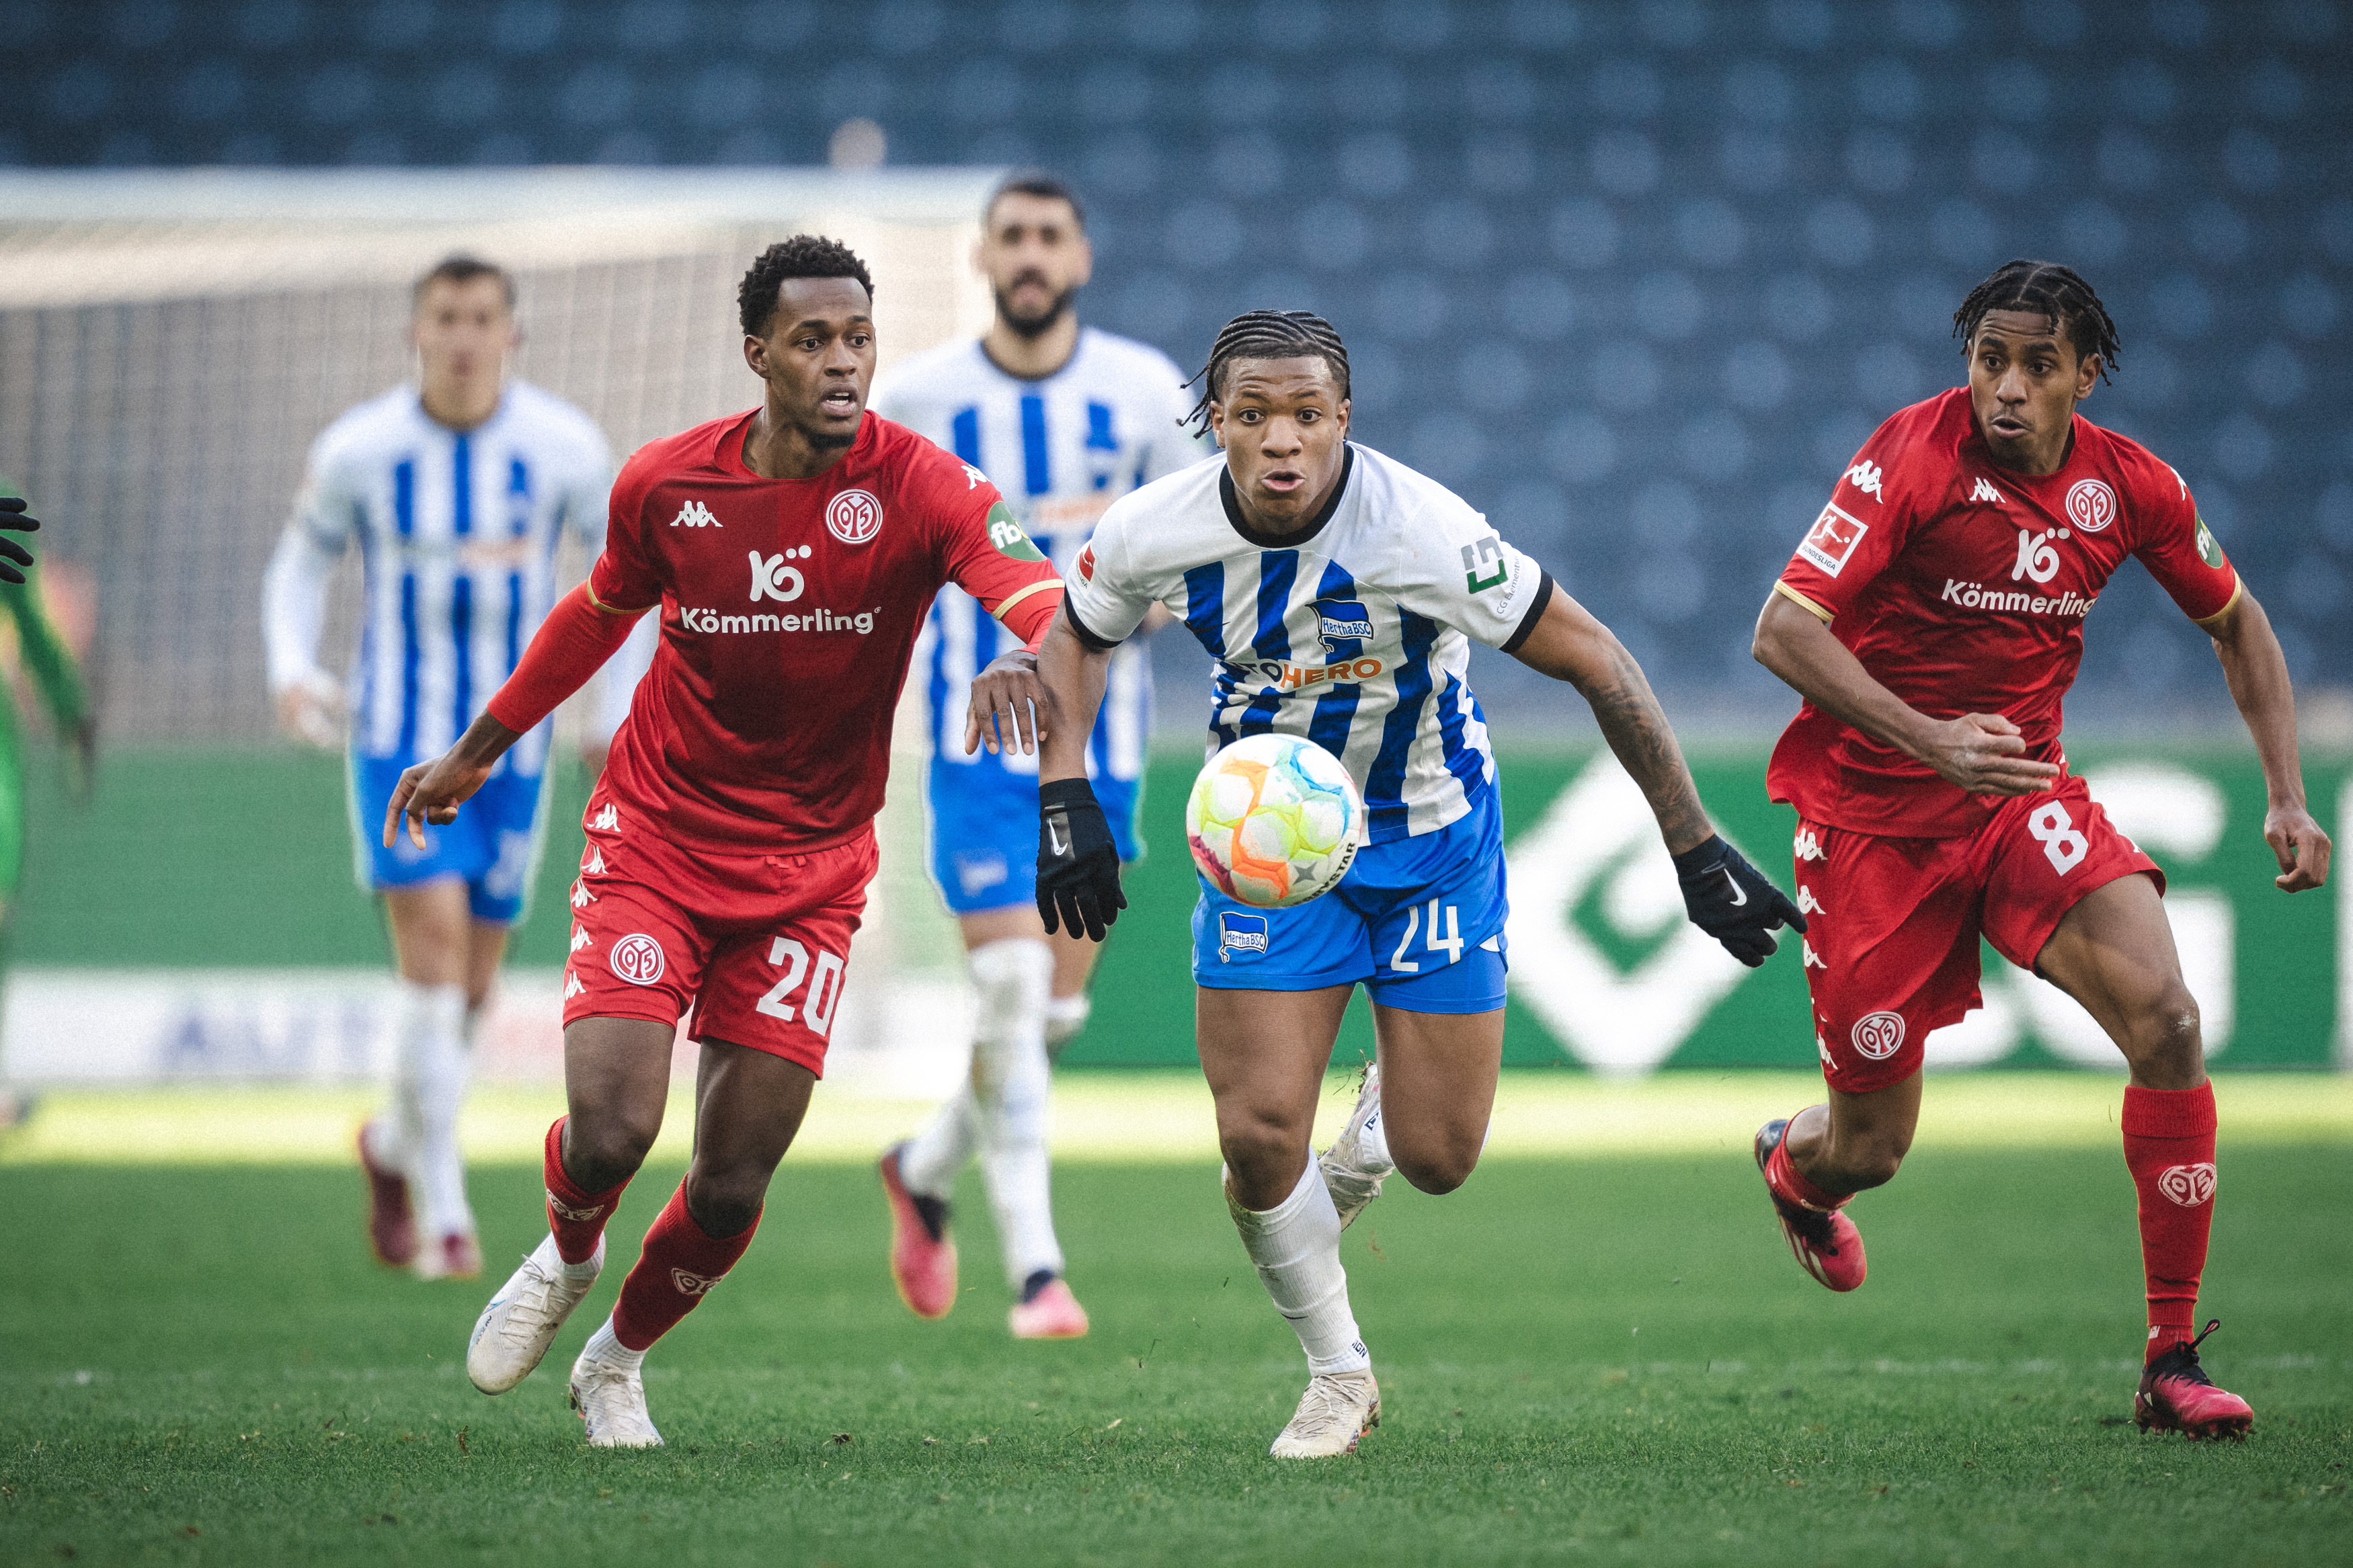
(1267, 334)
(2049, 289)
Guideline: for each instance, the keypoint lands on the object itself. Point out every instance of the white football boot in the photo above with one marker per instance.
(1338, 1409)
(611, 1401)
(1358, 1159)
(520, 1322)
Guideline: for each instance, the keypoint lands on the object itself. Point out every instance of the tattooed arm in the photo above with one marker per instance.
(1570, 644)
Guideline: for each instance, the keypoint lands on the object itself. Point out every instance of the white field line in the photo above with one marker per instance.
(1165, 1117)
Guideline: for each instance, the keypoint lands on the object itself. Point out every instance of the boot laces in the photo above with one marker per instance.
(2181, 1362)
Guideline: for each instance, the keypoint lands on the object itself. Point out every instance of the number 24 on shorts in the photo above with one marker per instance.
(2055, 831)
(1450, 944)
(824, 994)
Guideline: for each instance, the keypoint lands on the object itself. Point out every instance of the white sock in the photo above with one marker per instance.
(1012, 1089)
(934, 1157)
(429, 1088)
(603, 1346)
(1296, 1247)
(1065, 1017)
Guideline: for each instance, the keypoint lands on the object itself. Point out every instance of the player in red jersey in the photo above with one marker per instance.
(792, 553)
(1932, 619)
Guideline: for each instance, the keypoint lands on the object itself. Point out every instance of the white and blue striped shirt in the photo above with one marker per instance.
(1352, 633)
(458, 534)
(1061, 449)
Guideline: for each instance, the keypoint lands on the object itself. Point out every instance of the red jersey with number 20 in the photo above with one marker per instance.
(789, 608)
(1962, 586)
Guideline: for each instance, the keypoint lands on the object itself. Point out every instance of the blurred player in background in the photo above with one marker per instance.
(457, 489)
(1300, 533)
(1932, 619)
(1064, 420)
(732, 838)
(44, 653)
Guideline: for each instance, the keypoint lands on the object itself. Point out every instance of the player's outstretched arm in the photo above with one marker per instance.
(1978, 751)
(1725, 895)
(432, 792)
(1078, 863)
(2257, 673)
(13, 555)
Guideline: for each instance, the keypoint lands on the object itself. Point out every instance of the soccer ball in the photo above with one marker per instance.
(1273, 821)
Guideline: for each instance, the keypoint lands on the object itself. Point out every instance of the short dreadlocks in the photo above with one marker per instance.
(1267, 334)
(802, 256)
(2053, 290)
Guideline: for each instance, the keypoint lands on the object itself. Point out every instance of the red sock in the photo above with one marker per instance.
(1781, 1175)
(680, 1262)
(2169, 1149)
(577, 1219)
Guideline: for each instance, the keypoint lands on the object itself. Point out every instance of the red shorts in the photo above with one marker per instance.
(1890, 943)
(756, 944)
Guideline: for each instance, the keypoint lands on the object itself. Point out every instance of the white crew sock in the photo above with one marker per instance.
(429, 1089)
(604, 1346)
(1012, 1089)
(1065, 1017)
(1296, 1247)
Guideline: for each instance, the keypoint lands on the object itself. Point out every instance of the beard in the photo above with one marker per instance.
(1031, 326)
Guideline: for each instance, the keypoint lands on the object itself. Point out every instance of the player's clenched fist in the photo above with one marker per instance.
(1078, 863)
(1007, 704)
(2302, 847)
(1981, 753)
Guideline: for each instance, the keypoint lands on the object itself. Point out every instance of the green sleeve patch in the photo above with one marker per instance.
(2210, 550)
(1007, 535)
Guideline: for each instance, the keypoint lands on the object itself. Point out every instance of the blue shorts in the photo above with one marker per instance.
(985, 832)
(494, 846)
(1418, 921)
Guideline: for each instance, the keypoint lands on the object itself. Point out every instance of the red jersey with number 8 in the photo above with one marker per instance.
(789, 609)
(1962, 587)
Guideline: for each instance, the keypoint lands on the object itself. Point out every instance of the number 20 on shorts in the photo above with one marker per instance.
(823, 997)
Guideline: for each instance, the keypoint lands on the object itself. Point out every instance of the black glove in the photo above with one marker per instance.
(1732, 900)
(1078, 864)
(12, 516)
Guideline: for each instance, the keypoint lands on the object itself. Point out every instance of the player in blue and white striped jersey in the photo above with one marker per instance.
(457, 491)
(1064, 420)
(1338, 592)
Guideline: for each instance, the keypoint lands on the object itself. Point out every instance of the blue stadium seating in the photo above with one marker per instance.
(1635, 277)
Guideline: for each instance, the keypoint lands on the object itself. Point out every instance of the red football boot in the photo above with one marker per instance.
(391, 1223)
(1824, 1241)
(922, 1257)
(2176, 1397)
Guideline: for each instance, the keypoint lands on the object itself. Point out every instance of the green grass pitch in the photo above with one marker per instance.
(1603, 1361)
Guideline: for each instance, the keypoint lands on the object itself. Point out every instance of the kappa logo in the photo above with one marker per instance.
(1986, 492)
(607, 820)
(1240, 933)
(1831, 541)
(1879, 1035)
(2091, 505)
(694, 514)
(2188, 1185)
(1865, 477)
(1813, 959)
(572, 987)
(1807, 847)
(1822, 1049)
(580, 938)
(594, 864)
(565, 1211)
(1807, 903)
(854, 517)
(973, 477)
(772, 579)
(581, 897)
(637, 958)
(690, 1284)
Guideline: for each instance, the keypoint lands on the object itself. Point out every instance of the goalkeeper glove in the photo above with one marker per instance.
(14, 556)
(1078, 864)
(1732, 900)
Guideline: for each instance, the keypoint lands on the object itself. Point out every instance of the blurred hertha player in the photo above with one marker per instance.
(457, 489)
(1932, 619)
(1339, 592)
(1064, 420)
(792, 552)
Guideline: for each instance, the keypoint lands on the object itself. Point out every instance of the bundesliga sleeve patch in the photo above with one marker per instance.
(1831, 541)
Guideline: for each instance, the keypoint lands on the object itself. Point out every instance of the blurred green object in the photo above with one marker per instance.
(241, 859)
(45, 656)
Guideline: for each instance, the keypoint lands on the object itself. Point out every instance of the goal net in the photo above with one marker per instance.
(171, 343)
